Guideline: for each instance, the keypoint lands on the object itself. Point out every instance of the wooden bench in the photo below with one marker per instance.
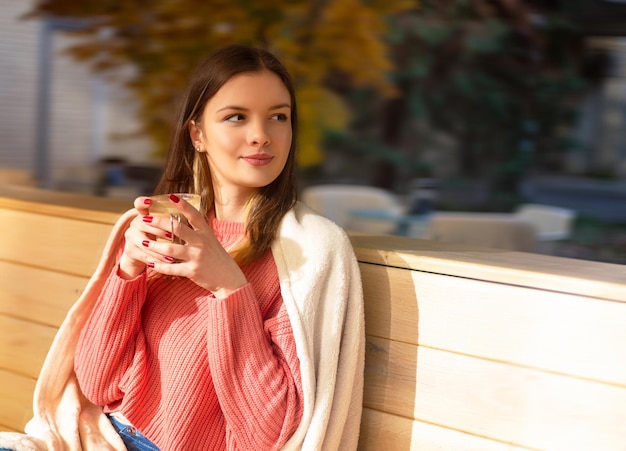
(467, 348)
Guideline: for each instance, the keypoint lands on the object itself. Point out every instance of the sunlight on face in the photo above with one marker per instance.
(246, 132)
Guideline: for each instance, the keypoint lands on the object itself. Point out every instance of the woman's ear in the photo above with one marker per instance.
(195, 134)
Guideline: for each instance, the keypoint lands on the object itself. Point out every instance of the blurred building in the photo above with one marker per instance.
(59, 121)
(601, 130)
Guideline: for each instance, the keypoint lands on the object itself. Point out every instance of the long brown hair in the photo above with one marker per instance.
(188, 171)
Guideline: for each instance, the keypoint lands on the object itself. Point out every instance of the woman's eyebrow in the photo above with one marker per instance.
(232, 107)
(281, 105)
(240, 108)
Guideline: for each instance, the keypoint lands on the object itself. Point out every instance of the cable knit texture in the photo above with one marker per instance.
(190, 371)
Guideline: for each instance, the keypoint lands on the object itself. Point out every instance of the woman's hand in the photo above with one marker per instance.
(133, 260)
(201, 258)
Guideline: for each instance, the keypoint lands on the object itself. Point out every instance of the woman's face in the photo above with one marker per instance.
(245, 131)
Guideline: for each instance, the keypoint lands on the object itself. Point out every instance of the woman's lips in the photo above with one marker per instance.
(259, 159)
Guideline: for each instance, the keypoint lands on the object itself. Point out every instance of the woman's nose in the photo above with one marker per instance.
(258, 135)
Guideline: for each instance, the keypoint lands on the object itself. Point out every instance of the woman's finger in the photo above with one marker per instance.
(142, 205)
(194, 217)
(157, 227)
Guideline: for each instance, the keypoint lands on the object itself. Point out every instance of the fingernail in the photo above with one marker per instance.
(147, 219)
(150, 264)
(169, 259)
(146, 243)
(174, 198)
(168, 235)
(147, 201)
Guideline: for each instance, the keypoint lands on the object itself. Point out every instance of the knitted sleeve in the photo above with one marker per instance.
(110, 342)
(255, 370)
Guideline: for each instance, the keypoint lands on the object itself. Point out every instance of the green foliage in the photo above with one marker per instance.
(491, 75)
(499, 77)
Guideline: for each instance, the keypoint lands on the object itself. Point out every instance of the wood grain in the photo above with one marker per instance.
(65, 245)
(545, 272)
(562, 333)
(39, 295)
(23, 345)
(498, 401)
(383, 431)
(16, 394)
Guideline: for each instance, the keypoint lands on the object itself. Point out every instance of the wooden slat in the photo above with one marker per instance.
(556, 332)
(16, 394)
(383, 431)
(23, 345)
(390, 376)
(67, 205)
(65, 245)
(380, 430)
(566, 275)
(36, 294)
(391, 305)
(497, 401)
(588, 278)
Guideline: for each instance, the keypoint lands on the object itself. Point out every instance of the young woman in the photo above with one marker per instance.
(246, 335)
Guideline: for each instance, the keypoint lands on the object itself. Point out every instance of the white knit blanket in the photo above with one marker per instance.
(321, 287)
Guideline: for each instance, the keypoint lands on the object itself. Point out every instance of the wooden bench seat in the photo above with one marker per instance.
(467, 348)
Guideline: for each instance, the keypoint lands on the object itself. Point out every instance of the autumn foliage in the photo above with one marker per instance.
(163, 40)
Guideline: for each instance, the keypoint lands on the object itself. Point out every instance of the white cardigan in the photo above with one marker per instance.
(321, 288)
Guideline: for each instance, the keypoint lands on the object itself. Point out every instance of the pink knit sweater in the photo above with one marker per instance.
(192, 372)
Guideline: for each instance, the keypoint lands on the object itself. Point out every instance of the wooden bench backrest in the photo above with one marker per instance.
(467, 348)
(47, 253)
(482, 349)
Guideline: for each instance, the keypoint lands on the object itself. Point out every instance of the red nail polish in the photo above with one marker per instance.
(174, 198)
(147, 219)
(150, 264)
(168, 235)
(169, 259)
(147, 201)
(145, 243)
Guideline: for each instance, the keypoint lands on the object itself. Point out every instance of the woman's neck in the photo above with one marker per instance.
(230, 208)
(227, 213)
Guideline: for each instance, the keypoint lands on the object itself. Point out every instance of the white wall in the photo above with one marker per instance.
(18, 85)
(86, 112)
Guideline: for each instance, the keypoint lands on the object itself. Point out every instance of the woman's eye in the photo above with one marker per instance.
(280, 117)
(235, 117)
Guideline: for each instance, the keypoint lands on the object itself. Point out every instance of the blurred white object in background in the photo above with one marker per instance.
(551, 223)
(492, 230)
(336, 202)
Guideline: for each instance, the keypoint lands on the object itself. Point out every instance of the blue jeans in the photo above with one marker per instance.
(132, 438)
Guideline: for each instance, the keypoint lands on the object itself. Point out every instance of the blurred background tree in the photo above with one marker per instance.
(389, 90)
(163, 40)
(495, 82)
